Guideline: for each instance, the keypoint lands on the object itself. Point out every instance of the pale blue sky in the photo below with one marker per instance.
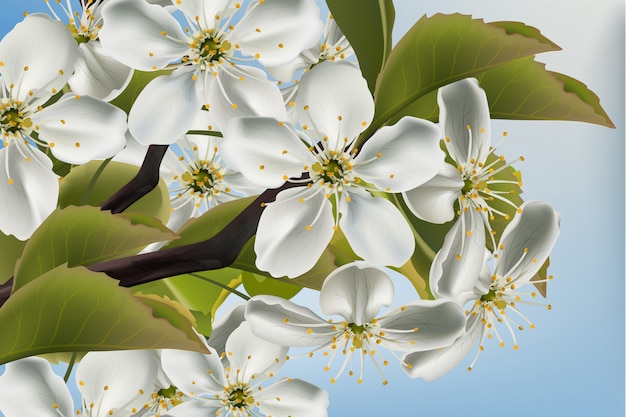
(572, 364)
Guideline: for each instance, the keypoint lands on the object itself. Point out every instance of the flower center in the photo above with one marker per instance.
(493, 296)
(357, 330)
(204, 178)
(14, 119)
(333, 169)
(207, 48)
(238, 397)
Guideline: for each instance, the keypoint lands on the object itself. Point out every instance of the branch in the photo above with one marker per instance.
(146, 179)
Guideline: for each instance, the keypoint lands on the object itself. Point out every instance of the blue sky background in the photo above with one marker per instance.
(572, 364)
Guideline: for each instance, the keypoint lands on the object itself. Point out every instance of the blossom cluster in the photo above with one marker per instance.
(249, 96)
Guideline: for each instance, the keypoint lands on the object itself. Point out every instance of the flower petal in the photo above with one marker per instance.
(194, 373)
(464, 104)
(356, 291)
(29, 387)
(431, 364)
(292, 235)
(527, 241)
(434, 200)
(133, 34)
(282, 322)
(439, 323)
(165, 109)
(293, 397)
(275, 31)
(265, 152)
(37, 54)
(199, 408)
(81, 128)
(206, 11)
(224, 326)
(97, 74)
(457, 265)
(402, 156)
(376, 230)
(337, 101)
(29, 189)
(252, 357)
(248, 94)
(116, 379)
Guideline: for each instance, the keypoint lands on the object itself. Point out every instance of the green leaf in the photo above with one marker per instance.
(83, 236)
(525, 90)
(140, 79)
(441, 49)
(210, 223)
(74, 309)
(367, 24)
(11, 249)
(116, 174)
(258, 284)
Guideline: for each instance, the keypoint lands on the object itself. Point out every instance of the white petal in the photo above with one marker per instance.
(224, 325)
(82, 128)
(37, 54)
(132, 34)
(189, 371)
(338, 101)
(457, 265)
(356, 291)
(29, 191)
(432, 364)
(248, 93)
(286, 72)
(28, 387)
(263, 151)
(376, 230)
(402, 156)
(192, 408)
(292, 235)
(277, 30)
(434, 200)
(527, 241)
(464, 104)
(267, 314)
(439, 323)
(293, 397)
(252, 357)
(165, 108)
(206, 10)
(97, 74)
(116, 379)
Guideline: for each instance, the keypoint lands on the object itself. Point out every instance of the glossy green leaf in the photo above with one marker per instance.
(258, 284)
(74, 309)
(367, 24)
(116, 174)
(83, 236)
(525, 90)
(11, 249)
(442, 49)
(140, 79)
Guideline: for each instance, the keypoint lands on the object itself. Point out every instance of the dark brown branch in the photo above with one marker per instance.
(146, 179)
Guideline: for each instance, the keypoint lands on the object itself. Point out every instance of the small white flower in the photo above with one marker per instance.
(36, 60)
(95, 72)
(236, 390)
(523, 249)
(204, 57)
(356, 292)
(334, 106)
(469, 179)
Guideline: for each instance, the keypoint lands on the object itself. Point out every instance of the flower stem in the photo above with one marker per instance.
(69, 367)
(219, 284)
(93, 181)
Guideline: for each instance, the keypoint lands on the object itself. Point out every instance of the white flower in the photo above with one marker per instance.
(36, 60)
(204, 56)
(465, 122)
(356, 292)
(95, 72)
(236, 390)
(334, 106)
(118, 383)
(523, 249)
